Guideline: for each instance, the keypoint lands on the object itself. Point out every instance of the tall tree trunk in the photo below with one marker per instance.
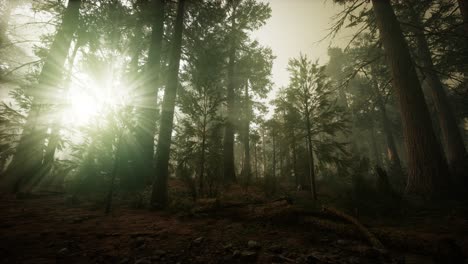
(228, 149)
(147, 99)
(54, 137)
(427, 168)
(311, 156)
(115, 169)
(159, 197)
(202, 158)
(375, 151)
(264, 154)
(294, 159)
(451, 138)
(256, 160)
(392, 154)
(246, 171)
(27, 161)
(273, 138)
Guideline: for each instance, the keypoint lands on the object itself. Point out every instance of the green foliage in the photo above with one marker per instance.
(311, 95)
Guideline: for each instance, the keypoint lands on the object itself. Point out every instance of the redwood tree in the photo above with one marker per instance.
(451, 137)
(427, 168)
(147, 98)
(27, 161)
(159, 196)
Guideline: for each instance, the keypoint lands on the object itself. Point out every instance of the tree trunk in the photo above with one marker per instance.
(294, 158)
(427, 168)
(375, 151)
(246, 171)
(264, 154)
(392, 154)
(311, 156)
(54, 137)
(256, 160)
(202, 158)
(451, 138)
(27, 161)
(114, 171)
(229, 167)
(273, 138)
(147, 99)
(159, 197)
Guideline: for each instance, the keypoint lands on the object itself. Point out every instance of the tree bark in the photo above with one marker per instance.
(54, 137)
(375, 151)
(27, 161)
(294, 157)
(264, 154)
(392, 154)
(273, 138)
(147, 99)
(451, 138)
(228, 150)
(246, 171)
(256, 160)
(115, 169)
(427, 168)
(311, 156)
(159, 196)
(202, 158)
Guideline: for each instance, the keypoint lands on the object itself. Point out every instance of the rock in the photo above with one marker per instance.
(248, 256)
(253, 244)
(198, 240)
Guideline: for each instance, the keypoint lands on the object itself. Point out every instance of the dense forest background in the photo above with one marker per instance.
(125, 97)
(161, 131)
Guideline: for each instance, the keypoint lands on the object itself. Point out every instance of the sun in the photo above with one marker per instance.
(83, 106)
(87, 99)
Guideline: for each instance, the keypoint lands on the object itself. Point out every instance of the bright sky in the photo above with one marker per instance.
(298, 26)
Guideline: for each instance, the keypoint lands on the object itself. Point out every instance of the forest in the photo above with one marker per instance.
(160, 131)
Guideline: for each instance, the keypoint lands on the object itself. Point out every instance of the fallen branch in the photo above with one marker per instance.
(376, 244)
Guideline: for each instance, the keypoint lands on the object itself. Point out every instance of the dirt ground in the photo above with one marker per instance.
(47, 230)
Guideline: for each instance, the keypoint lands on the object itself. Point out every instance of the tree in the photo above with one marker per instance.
(309, 92)
(159, 196)
(427, 168)
(27, 161)
(147, 95)
(451, 137)
(244, 16)
(201, 96)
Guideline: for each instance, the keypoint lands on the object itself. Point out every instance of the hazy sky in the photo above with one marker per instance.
(297, 26)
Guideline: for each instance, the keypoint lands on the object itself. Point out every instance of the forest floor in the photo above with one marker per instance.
(45, 229)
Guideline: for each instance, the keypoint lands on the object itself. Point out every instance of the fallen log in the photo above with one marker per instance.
(214, 205)
(376, 244)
